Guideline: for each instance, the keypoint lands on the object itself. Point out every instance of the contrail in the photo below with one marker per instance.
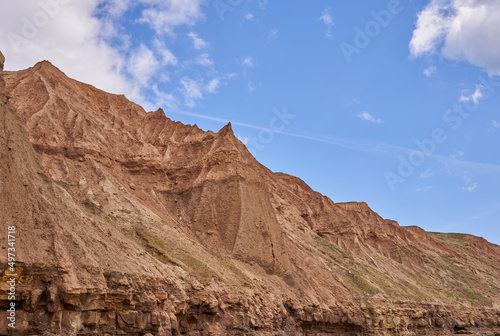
(376, 148)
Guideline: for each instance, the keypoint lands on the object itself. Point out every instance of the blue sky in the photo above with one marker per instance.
(395, 103)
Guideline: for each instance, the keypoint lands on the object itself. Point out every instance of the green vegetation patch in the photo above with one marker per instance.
(456, 239)
(464, 291)
(179, 257)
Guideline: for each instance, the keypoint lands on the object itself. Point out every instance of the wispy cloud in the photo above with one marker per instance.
(430, 71)
(248, 61)
(495, 123)
(368, 117)
(327, 19)
(198, 43)
(164, 16)
(204, 60)
(213, 85)
(192, 90)
(143, 64)
(249, 17)
(474, 97)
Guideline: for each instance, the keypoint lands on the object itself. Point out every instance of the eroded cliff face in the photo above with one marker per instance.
(130, 223)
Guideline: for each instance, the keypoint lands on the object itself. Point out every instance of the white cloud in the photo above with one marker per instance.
(204, 60)
(165, 15)
(143, 64)
(495, 123)
(430, 71)
(198, 43)
(465, 30)
(368, 117)
(195, 89)
(248, 61)
(166, 100)
(213, 85)
(192, 90)
(88, 41)
(167, 58)
(474, 97)
(327, 19)
(249, 17)
(71, 38)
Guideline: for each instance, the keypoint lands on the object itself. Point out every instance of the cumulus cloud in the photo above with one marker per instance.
(464, 30)
(88, 40)
(368, 117)
(67, 35)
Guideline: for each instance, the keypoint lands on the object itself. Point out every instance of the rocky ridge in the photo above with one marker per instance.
(130, 223)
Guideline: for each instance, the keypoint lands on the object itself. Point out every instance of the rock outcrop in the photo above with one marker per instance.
(129, 223)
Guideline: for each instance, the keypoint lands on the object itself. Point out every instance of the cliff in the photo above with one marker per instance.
(129, 223)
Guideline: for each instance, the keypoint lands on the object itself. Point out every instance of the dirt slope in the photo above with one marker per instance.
(130, 223)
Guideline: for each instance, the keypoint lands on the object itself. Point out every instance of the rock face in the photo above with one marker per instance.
(129, 223)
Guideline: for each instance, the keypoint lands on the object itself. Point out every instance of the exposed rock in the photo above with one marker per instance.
(129, 223)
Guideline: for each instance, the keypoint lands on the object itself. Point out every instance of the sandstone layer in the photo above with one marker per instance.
(129, 223)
